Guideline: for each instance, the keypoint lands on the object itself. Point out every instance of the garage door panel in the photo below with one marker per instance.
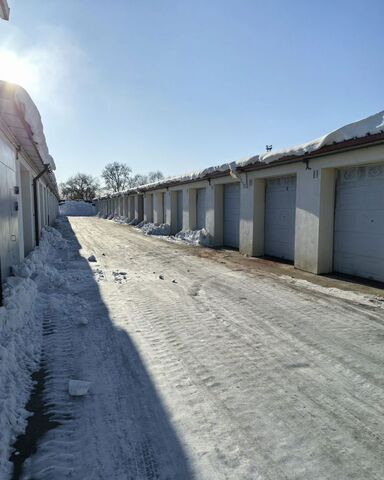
(280, 215)
(200, 208)
(370, 198)
(231, 215)
(359, 222)
(360, 244)
(366, 267)
(179, 211)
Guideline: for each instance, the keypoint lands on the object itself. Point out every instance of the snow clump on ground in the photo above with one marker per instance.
(194, 237)
(156, 229)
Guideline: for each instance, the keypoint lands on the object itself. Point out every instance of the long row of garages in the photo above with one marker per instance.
(28, 190)
(324, 214)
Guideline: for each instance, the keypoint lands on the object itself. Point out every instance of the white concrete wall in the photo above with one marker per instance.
(252, 207)
(139, 207)
(168, 208)
(158, 207)
(148, 207)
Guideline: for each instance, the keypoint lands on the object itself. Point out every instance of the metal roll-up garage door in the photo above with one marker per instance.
(359, 222)
(179, 216)
(200, 208)
(280, 215)
(231, 217)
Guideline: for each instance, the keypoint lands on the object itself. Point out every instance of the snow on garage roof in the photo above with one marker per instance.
(23, 119)
(4, 10)
(368, 126)
(364, 128)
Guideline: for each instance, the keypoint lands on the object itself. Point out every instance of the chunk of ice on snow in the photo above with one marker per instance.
(78, 388)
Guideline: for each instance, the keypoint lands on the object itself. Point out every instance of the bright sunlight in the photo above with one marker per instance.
(17, 69)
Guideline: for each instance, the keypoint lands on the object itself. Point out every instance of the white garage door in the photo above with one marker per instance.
(200, 208)
(231, 220)
(359, 222)
(280, 214)
(179, 217)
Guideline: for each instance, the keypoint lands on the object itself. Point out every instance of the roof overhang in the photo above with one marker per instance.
(17, 117)
(4, 10)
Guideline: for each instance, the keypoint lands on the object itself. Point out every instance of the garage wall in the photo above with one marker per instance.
(9, 231)
(243, 218)
(17, 232)
(148, 207)
(158, 207)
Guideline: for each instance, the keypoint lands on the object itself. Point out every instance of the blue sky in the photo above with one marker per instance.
(180, 85)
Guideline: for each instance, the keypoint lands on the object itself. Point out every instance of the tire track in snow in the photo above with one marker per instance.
(259, 379)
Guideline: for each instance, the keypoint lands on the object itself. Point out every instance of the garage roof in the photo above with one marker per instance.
(22, 118)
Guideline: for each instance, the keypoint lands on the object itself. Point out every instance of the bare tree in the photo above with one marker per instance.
(117, 176)
(155, 176)
(80, 187)
(140, 179)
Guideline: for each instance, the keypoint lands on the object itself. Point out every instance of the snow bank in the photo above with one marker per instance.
(122, 220)
(194, 237)
(21, 338)
(156, 229)
(77, 208)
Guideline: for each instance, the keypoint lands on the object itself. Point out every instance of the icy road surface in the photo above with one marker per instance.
(202, 368)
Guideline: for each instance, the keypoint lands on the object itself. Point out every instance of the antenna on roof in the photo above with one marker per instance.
(268, 148)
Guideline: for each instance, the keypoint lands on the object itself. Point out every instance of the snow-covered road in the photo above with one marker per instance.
(202, 368)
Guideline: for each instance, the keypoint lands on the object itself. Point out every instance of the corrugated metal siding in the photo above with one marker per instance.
(359, 222)
(280, 216)
(9, 231)
(179, 210)
(231, 219)
(200, 208)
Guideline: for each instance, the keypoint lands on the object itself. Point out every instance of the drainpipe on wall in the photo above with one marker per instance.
(233, 173)
(36, 203)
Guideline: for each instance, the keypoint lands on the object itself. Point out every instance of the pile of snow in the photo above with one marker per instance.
(21, 337)
(194, 237)
(156, 229)
(77, 208)
(122, 220)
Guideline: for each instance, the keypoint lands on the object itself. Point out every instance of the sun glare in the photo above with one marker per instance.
(16, 69)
